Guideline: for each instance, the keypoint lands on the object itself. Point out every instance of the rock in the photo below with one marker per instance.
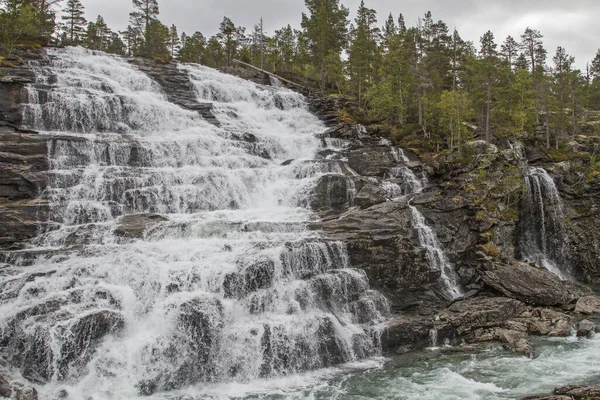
(547, 398)
(5, 389)
(27, 394)
(331, 192)
(584, 328)
(588, 305)
(590, 392)
(523, 347)
(177, 86)
(482, 312)
(534, 286)
(370, 195)
(373, 161)
(83, 338)
(134, 226)
(561, 329)
(479, 147)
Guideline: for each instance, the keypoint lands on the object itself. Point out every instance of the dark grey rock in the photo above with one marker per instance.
(134, 226)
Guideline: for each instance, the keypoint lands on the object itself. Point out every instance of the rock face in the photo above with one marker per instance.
(177, 86)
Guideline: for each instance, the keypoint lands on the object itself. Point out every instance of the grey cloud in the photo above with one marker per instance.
(570, 24)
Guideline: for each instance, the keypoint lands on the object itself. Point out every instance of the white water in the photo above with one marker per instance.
(400, 182)
(435, 254)
(543, 235)
(232, 288)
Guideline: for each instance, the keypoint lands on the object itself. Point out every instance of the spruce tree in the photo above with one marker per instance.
(75, 22)
(326, 30)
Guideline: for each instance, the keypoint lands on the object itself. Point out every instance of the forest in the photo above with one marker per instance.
(422, 80)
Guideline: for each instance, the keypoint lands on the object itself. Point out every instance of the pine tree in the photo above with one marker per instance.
(230, 38)
(362, 52)
(174, 43)
(145, 12)
(326, 30)
(75, 22)
(193, 48)
(533, 48)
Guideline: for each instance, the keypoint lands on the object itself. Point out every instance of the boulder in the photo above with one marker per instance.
(591, 392)
(534, 286)
(584, 328)
(588, 305)
(134, 226)
(561, 329)
(482, 312)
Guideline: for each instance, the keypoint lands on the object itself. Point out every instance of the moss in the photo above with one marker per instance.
(509, 215)
(490, 249)
(582, 210)
(561, 155)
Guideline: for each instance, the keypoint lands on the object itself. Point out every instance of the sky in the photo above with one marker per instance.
(571, 24)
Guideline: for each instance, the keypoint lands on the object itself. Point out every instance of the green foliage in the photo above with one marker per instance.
(325, 29)
(74, 23)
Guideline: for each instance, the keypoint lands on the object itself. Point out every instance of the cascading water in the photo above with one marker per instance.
(542, 233)
(400, 182)
(227, 285)
(435, 255)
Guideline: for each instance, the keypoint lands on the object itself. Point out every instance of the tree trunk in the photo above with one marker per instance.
(488, 115)
(547, 129)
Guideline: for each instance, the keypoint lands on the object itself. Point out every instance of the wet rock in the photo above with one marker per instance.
(590, 392)
(523, 347)
(588, 305)
(134, 226)
(254, 277)
(330, 192)
(561, 329)
(370, 195)
(177, 86)
(5, 389)
(534, 286)
(584, 328)
(27, 394)
(374, 161)
(83, 338)
(188, 356)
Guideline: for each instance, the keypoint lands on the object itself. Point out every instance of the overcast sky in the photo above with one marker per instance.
(572, 24)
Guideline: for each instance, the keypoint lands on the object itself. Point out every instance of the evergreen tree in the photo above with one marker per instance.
(193, 48)
(362, 52)
(75, 22)
(144, 14)
(173, 42)
(326, 30)
(231, 38)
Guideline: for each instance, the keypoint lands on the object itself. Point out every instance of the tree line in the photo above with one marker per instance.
(422, 78)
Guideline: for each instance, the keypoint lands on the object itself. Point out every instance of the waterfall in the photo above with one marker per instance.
(435, 255)
(228, 284)
(542, 233)
(401, 181)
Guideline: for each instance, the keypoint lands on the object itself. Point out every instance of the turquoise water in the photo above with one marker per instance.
(446, 373)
